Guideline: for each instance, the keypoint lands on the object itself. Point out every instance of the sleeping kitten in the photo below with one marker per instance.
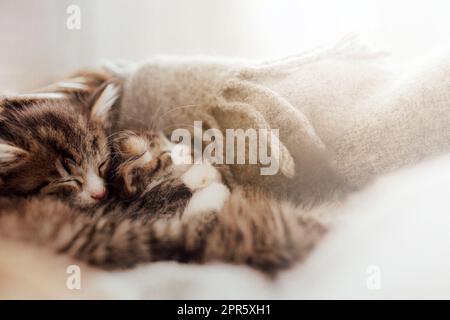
(168, 211)
(151, 175)
(54, 141)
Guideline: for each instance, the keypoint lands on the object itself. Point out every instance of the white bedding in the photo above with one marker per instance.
(392, 241)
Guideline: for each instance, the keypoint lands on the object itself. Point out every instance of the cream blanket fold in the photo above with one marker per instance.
(344, 114)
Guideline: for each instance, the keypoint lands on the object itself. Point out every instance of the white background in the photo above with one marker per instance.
(36, 47)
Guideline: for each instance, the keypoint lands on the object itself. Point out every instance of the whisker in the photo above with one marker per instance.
(159, 117)
(113, 134)
(177, 124)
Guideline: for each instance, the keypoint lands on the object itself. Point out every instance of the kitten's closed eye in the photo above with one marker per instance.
(64, 187)
(59, 145)
(69, 165)
(103, 168)
(141, 157)
(137, 172)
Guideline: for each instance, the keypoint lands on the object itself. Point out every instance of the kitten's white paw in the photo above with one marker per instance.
(210, 199)
(200, 176)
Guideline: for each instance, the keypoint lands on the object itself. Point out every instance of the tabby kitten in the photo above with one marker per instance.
(151, 175)
(168, 211)
(55, 141)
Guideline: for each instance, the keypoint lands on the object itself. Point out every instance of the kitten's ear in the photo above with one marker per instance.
(103, 102)
(10, 156)
(23, 101)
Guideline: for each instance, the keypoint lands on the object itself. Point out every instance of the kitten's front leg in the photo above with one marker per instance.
(208, 192)
(199, 217)
(210, 199)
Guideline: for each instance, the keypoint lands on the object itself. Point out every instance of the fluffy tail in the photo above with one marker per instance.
(250, 229)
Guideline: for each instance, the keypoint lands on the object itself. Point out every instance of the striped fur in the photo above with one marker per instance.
(151, 223)
(250, 229)
(147, 216)
(54, 141)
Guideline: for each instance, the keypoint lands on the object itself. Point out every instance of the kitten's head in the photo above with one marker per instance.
(142, 158)
(56, 145)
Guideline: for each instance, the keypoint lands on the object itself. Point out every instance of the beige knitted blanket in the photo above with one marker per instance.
(345, 114)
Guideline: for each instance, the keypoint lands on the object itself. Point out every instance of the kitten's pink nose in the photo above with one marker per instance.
(99, 195)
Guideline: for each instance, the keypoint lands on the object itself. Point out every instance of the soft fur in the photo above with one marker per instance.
(57, 145)
(169, 212)
(248, 230)
(399, 224)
